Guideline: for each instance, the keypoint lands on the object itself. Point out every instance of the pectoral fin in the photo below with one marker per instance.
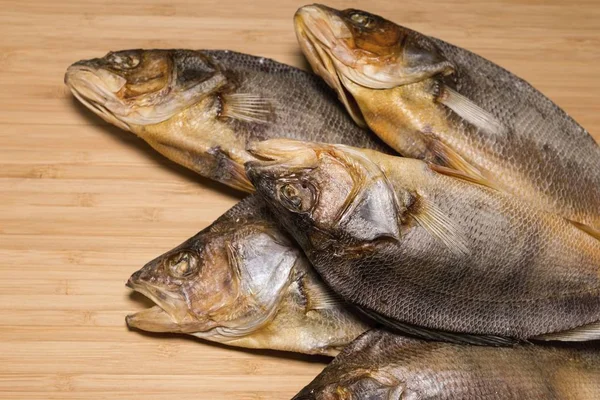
(471, 112)
(246, 107)
(582, 334)
(323, 298)
(446, 156)
(461, 175)
(440, 226)
(442, 336)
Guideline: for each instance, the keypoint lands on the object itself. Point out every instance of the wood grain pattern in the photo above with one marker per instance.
(83, 205)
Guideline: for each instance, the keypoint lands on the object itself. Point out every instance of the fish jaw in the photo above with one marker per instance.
(152, 88)
(365, 49)
(168, 315)
(96, 89)
(153, 319)
(312, 33)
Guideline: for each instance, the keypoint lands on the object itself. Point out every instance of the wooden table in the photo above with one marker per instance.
(83, 204)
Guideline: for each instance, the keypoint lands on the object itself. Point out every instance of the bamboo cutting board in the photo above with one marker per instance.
(83, 204)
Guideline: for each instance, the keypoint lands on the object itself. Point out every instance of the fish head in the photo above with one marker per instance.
(169, 98)
(353, 387)
(142, 87)
(325, 195)
(220, 285)
(356, 52)
(348, 384)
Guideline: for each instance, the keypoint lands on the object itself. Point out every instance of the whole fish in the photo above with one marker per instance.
(382, 366)
(241, 281)
(201, 108)
(443, 104)
(421, 245)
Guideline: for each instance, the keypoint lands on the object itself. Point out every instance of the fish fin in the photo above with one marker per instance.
(246, 107)
(582, 334)
(451, 159)
(440, 226)
(454, 173)
(324, 298)
(441, 336)
(595, 233)
(471, 112)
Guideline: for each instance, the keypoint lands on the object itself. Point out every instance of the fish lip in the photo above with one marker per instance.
(148, 319)
(93, 96)
(311, 39)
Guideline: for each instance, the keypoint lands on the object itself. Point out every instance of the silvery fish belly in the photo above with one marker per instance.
(201, 108)
(422, 247)
(383, 366)
(443, 104)
(242, 282)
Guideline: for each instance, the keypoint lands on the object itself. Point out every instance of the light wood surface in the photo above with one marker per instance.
(83, 204)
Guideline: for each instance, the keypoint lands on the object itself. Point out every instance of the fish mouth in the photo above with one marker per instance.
(314, 26)
(167, 315)
(96, 89)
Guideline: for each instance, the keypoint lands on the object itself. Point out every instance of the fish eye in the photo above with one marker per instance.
(296, 196)
(182, 265)
(362, 19)
(123, 61)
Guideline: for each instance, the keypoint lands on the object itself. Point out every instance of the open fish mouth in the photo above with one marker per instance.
(313, 30)
(94, 92)
(163, 317)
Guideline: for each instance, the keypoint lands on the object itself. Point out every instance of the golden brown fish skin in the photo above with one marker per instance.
(380, 365)
(201, 108)
(398, 80)
(416, 246)
(242, 282)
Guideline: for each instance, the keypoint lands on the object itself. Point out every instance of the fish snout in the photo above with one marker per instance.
(134, 279)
